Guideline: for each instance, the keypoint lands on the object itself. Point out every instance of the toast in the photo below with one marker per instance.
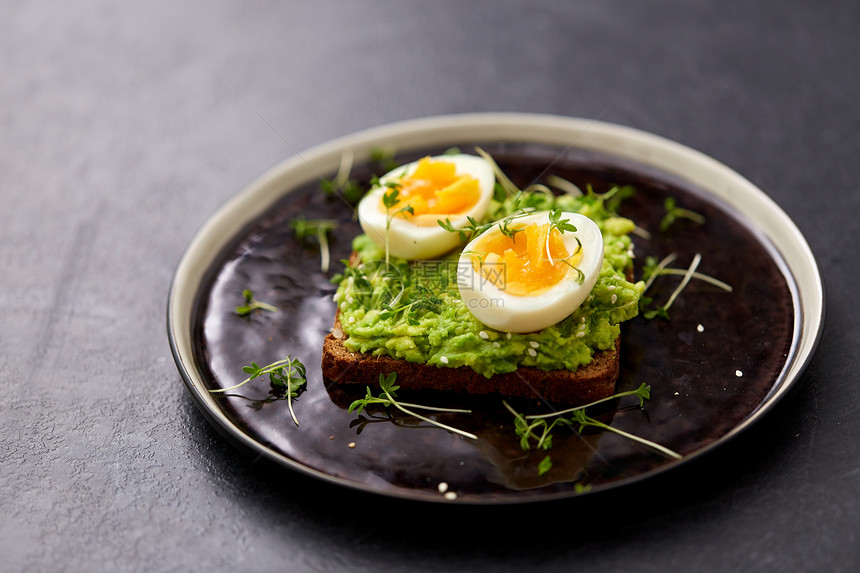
(578, 370)
(591, 382)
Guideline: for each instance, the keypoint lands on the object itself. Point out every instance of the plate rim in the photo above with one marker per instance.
(796, 258)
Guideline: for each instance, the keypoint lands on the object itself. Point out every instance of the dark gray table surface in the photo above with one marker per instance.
(124, 126)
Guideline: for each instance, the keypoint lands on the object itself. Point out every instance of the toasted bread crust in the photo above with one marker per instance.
(590, 382)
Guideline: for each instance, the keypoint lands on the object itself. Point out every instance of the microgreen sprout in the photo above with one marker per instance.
(556, 222)
(390, 199)
(663, 311)
(388, 397)
(532, 198)
(505, 229)
(564, 226)
(564, 185)
(342, 185)
(448, 226)
(584, 420)
(673, 213)
(618, 194)
(611, 199)
(383, 157)
(654, 269)
(545, 465)
(535, 431)
(472, 229)
(501, 177)
(319, 228)
(614, 193)
(288, 373)
(643, 392)
(538, 430)
(506, 188)
(580, 276)
(413, 300)
(252, 304)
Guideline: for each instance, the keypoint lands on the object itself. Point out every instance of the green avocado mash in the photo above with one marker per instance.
(412, 310)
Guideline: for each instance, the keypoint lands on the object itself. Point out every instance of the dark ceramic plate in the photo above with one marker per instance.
(720, 362)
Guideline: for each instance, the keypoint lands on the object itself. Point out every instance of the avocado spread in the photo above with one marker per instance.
(411, 310)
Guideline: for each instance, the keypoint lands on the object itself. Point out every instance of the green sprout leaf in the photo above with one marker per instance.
(556, 222)
(252, 304)
(654, 269)
(544, 466)
(318, 228)
(584, 421)
(390, 199)
(505, 229)
(535, 431)
(289, 374)
(383, 158)
(564, 226)
(663, 311)
(673, 213)
(388, 397)
(342, 186)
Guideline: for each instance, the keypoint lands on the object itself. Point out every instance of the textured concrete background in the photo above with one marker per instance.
(124, 126)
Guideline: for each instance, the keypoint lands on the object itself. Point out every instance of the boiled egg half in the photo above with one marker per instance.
(525, 274)
(447, 188)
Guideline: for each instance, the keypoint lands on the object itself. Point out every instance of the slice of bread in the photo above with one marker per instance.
(590, 382)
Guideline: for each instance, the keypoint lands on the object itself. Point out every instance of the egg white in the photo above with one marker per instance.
(410, 241)
(512, 313)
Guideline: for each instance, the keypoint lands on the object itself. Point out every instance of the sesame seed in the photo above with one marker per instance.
(700, 328)
(444, 360)
(351, 319)
(582, 320)
(534, 344)
(532, 352)
(613, 299)
(450, 496)
(349, 300)
(508, 336)
(738, 373)
(610, 287)
(443, 487)
(580, 334)
(483, 334)
(351, 445)
(337, 333)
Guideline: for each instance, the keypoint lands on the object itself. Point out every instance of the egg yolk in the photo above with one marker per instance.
(433, 191)
(534, 260)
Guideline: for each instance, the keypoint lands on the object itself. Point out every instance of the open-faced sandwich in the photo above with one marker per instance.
(462, 283)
